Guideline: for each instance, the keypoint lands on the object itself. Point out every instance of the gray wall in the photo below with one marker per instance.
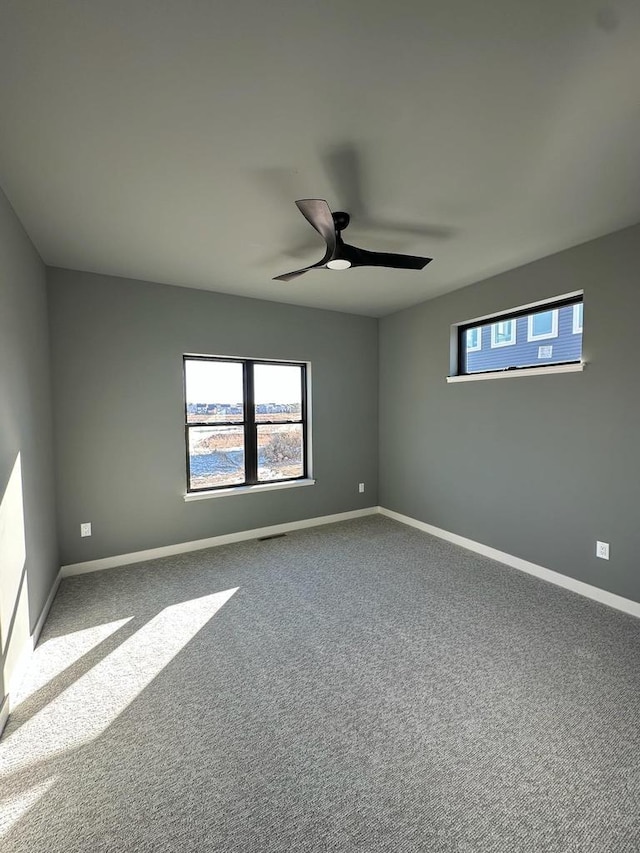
(539, 467)
(28, 545)
(118, 405)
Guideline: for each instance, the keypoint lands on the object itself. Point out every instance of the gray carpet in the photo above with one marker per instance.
(365, 688)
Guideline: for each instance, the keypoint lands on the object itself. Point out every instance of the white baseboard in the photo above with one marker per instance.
(4, 713)
(45, 610)
(585, 589)
(22, 664)
(212, 542)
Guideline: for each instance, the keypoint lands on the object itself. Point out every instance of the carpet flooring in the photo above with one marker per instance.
(357, 687)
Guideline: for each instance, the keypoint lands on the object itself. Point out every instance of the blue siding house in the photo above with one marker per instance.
(551, 336)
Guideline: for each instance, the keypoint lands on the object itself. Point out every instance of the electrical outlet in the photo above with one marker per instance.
(361, 487)
(85, 529)
(602, 550)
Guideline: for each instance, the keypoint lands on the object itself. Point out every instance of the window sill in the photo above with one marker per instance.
(241, 490)
(522, 371)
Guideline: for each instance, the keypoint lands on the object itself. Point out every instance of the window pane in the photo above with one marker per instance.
(213, 391)
(278, 392)
(473, 338)
(560, 343)
(216, 457)
(542, 323)
(503, 332)
(280, 452)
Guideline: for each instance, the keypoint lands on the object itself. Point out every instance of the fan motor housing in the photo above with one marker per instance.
(341, 220)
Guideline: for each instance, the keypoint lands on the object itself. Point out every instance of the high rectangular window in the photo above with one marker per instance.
(550, 333)
(245, 422)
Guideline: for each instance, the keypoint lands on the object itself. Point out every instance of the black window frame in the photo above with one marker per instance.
(511, 315)
(249, 424)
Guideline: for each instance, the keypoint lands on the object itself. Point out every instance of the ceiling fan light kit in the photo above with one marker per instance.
(340, 255)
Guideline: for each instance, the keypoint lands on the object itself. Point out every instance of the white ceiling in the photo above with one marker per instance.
(168, 139)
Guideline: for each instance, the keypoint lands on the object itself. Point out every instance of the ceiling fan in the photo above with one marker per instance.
(340, 255)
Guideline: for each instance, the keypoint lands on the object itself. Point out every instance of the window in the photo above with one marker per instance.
(542, 325)
(577, 319)
(527, 337)
(503, 333)
(474, 339)
(245, 422)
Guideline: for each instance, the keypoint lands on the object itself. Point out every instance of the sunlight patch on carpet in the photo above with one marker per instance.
(15, 808)
(60, 653)
(88, 707)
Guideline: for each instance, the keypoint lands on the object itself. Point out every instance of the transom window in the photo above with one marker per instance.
(547, 334)
(245, 422)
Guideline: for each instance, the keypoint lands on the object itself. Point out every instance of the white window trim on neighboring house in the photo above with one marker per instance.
(479, 346)
(577, 325)
(546, 335)
(495, 344)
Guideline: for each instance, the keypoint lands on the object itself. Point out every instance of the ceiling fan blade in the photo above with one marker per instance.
(317, 212)
(364, 258)
(287, 276)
